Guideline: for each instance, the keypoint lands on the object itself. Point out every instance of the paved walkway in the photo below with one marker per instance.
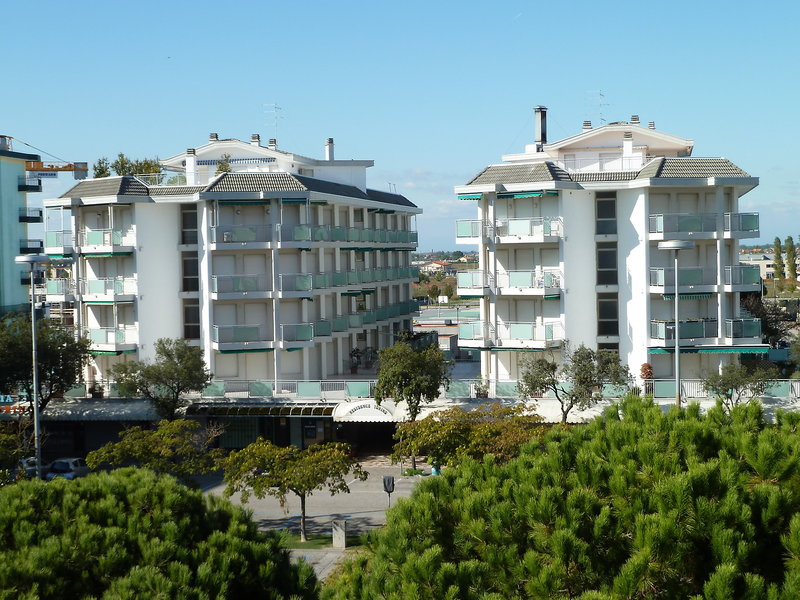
(364, 508)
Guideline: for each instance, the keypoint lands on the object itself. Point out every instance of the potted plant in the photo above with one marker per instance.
(355, 360)
(481, 388)
(646, 373)
(370, 356)
(96, 389)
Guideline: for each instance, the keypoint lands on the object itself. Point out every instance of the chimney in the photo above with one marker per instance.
(255, 139)
(587, 125)
(272, 144)
(329, 149)
(5, 142)
(540, 114)
(651, 125)
(627, 144)
(634, 119)
(191, 167)
(213, 137)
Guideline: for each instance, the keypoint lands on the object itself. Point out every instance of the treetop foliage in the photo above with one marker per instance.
(123, 165)
(134, 534)
(737, 382)
(636, 504)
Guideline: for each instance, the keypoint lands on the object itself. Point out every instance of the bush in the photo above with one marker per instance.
(134, 534)
(636, 504)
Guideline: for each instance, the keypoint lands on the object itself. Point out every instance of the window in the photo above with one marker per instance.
(606, 211)
(191, 319)
(191, 272)
(607, 314)
(189, 224)
(607, 263)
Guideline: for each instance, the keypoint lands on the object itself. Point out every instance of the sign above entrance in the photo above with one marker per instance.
(362, 411)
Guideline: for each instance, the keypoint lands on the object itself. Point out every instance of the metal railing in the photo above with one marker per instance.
(231, 284)
(604, 163)
(59, 286)
(112, 335)
(58, 239)
(665, 276)
(742, 275)
(689, 329)
(240, 234)
(231, 334)
(107, 286)
(535, 227)
(535, 279)
(107, 237)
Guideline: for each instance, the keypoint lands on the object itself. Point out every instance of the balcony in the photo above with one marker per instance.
(241, 337)
(690, 279)
(231, 237)
(703, 226)
(534, 230)
(472, 283)
(737, 329)
(742, 278)
(231, 287)
(513, 334)
(296, 285)
(529, 283)
(31, 246)
(59, 289)
(297, 332)
(305, 234)
(469, 231)
(113, 338)
(118, 289)
(692, 330)
(30, 215)
(29, 184)
(58, 242)
(322, 328)
(104, 241)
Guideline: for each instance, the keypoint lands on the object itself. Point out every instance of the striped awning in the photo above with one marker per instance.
(698, 296)
(713, 350)
(264, 409)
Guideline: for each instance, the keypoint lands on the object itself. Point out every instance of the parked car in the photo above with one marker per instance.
(68, 468)
(26, 467)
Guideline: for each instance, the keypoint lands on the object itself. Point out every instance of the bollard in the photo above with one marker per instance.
(339, 533)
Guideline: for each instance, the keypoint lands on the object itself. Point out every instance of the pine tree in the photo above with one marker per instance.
(791, 264)
(778, 265)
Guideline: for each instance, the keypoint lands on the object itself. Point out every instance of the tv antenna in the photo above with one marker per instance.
(274, 110)
(601, 104)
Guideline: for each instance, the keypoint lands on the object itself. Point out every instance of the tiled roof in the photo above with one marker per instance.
(604, 176)
(107, 186)
(256, 182)
(176, 190)
(388, 198)
(524, 173)
(691, 167)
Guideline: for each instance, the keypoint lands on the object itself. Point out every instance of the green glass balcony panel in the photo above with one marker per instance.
(664, 389)
(260, 389)
(748, 222)
(96, 286)
(382, 313)
(322, 328)
(690, 223)
(751, 328)
(340, 323)
(321, 234)
(549, 279)
(304, 283)
(339, 279)
(369, 236)
(394, 310)
(690, 276)
(52, 238)
(658, 330)
(304, 333)
(404, 272)
(520, 331)
(215, 389)
(301, 233)
(98, 336)
(547, 227)
(309, 389)
(657, 277)
(95, 238)
(691, 329)
(470, 331)
(779, 389)
(118, 286)
(321, 281)
(549, 331)
(353, 235)
(355, 320)
(338, 234)
(243, 234)
(506, 389)
(76, 391)
(358, 389)
(520, 279)
(352, 277)
(394, 236)
(383, 235)
(658, 223)
(458, 389)
(614, 391)
(380, 275)
(369, 316)
(54, 287)
(467, 228)
(244, 283)
(519, 227)
(750, 276)
(367, 276)
(246, 334)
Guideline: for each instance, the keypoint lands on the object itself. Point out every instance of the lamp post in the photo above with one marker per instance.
(675, 246)
(35, 262)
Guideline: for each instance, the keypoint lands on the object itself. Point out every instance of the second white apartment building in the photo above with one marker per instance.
(568, 235)
(278, 265)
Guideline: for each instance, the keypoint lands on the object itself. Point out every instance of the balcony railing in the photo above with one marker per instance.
(296, 282)
(108, 286)
(536, 227)
(603, 163)
(106, 237)
(469, 228)
(232, 284)
(297, 332)
(689, 329)
(29, 184)
(61, 286)
(240, 234)
(228, 334)
(536, 279)
(471, 279)
(58, 239)
(335, 233)
(112, 335)
(322, 328)
(30, 215)
(741, 222)
(742, 275)
(665, 276)
(31, 246)
(703, 223)
(530, 331)
(742, 328)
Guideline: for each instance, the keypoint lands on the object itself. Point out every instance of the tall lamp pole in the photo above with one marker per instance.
(675, 246)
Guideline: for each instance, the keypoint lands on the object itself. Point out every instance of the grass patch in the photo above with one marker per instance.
(318, 541)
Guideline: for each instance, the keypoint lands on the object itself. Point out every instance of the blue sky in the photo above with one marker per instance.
(431, 91)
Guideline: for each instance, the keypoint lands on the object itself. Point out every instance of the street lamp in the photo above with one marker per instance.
(35, 262)
(675, 246)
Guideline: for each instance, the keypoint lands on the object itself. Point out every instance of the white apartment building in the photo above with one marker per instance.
(278, 267)
(568, 235)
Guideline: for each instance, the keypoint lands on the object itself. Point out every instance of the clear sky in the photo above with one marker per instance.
(431, 91)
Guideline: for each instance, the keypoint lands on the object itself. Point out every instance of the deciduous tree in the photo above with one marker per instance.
(181, 448)
(178, 369)
(262, 469)
(735, 382)
(578, 382)
(123, 165)
(791, 264)
(778, 266)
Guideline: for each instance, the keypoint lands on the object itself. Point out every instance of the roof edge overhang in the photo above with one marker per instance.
(623, 127)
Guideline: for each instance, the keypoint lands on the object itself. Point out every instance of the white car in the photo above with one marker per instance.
(27, 467)
(68, 468)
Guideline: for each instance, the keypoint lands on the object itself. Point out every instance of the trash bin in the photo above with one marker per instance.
(434, 469)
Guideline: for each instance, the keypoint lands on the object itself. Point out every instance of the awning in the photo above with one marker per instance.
(105, 254)
(294, 200)
(106, 409)
(111, 352)
(243, 202)
(713, 350)
(363, 411)
(698, 296)
(246, 351)
(264, 409)
(469, 196)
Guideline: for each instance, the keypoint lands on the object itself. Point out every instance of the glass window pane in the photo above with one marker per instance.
(606, 209)
(606, 259)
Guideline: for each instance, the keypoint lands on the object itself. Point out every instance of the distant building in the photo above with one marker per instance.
(436, 266)
(568, 236)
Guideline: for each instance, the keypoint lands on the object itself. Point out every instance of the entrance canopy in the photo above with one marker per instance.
(364, 411)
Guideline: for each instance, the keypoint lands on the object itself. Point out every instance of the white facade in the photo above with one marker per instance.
(568, 238)
(278, 268)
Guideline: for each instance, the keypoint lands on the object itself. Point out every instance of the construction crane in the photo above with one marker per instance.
(80, 170)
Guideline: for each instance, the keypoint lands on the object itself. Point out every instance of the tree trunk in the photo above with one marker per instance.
(414, 462)
(303, 518)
